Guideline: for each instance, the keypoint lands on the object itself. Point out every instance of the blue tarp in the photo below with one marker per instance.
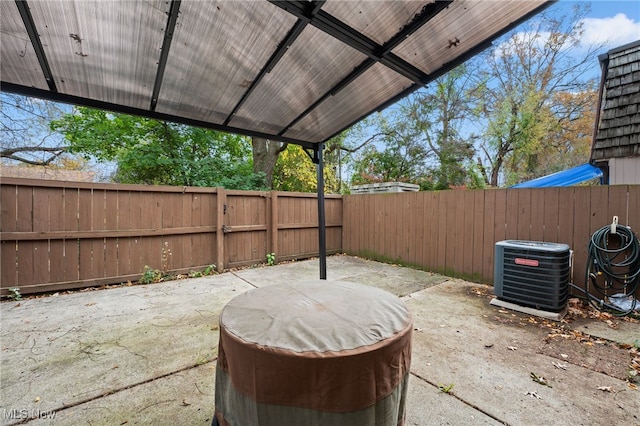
(564, 178)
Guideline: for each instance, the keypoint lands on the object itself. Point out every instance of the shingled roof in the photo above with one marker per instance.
(618, 133)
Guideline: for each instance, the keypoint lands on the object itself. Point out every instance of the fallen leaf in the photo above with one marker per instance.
(533, 394)
(488, 345)
(559, 365)
(539, 379)
(605, 388)
(90, 304)
(445, 388)
(565, 356)
(37, 399)
(185, 402)
(632, 386)
(512, 348)
(418, 329)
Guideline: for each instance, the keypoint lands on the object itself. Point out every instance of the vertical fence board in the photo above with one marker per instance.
(40, 218)
(490, 217)
(56, 223)
(112, 213)
(40, 224)
(86, 245)
(478, 235)
(98, 221)
(581, 231)
(566, 215)
(617, 204)
(633, 209)
(8, 249)
(449, 221)
(440, 224)
(8, 207)
(551, 213)
(599, 208)
(512, 212)
(524, 214)
(409, 229)
(467, 240)
(536, 229)
(8, 264)
(419, 233)
(433, 220)
(25, 263)
(125, 264)
(8, 223)
(24, 209)
(40, 261)
(375, 214)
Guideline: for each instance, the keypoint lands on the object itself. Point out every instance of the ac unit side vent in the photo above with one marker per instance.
(533, 274)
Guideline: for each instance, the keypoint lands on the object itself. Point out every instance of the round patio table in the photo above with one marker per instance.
(313, 353)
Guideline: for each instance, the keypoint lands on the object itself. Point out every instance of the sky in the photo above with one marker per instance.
(616, 21)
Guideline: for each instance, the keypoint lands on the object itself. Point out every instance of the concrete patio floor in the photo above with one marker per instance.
(135, 355)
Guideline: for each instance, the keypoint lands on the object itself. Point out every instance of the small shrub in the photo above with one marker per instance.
(14, 293)
(271, 259)
(150, 275)
(209, 270)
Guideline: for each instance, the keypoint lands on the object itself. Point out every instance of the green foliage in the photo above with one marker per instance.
(422, 138)
(14, 293)
(294, 171)
(154, 152)
(151, 275)
(271, 259)
(445, 388)
(401, 159)
(209, 270)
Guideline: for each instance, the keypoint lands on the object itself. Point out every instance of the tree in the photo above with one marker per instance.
(25, 136)
(294, 171)
(403, 157)
(150, 151)
(527, 96)
(265, 156)
(438, 114)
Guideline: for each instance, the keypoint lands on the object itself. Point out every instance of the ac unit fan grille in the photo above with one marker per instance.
(534, 278)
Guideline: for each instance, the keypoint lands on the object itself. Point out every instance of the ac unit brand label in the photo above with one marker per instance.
(526, 262)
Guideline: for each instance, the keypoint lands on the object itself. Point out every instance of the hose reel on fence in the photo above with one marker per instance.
(613, 269)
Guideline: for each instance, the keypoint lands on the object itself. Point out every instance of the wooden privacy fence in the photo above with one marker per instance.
(63, 235)
(454, 232)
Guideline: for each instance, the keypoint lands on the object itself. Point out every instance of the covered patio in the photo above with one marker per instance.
(289, 71)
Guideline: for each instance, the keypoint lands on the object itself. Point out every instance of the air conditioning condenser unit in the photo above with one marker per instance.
(533, 274)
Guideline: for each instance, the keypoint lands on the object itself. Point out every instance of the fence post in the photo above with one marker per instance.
(221, 202)
(273, 244)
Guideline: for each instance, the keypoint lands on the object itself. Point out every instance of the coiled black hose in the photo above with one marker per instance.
(613, 268)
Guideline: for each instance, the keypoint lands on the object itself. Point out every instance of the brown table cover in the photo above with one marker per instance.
(313, 353)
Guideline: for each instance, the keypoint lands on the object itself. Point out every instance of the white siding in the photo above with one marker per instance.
(624, 171)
